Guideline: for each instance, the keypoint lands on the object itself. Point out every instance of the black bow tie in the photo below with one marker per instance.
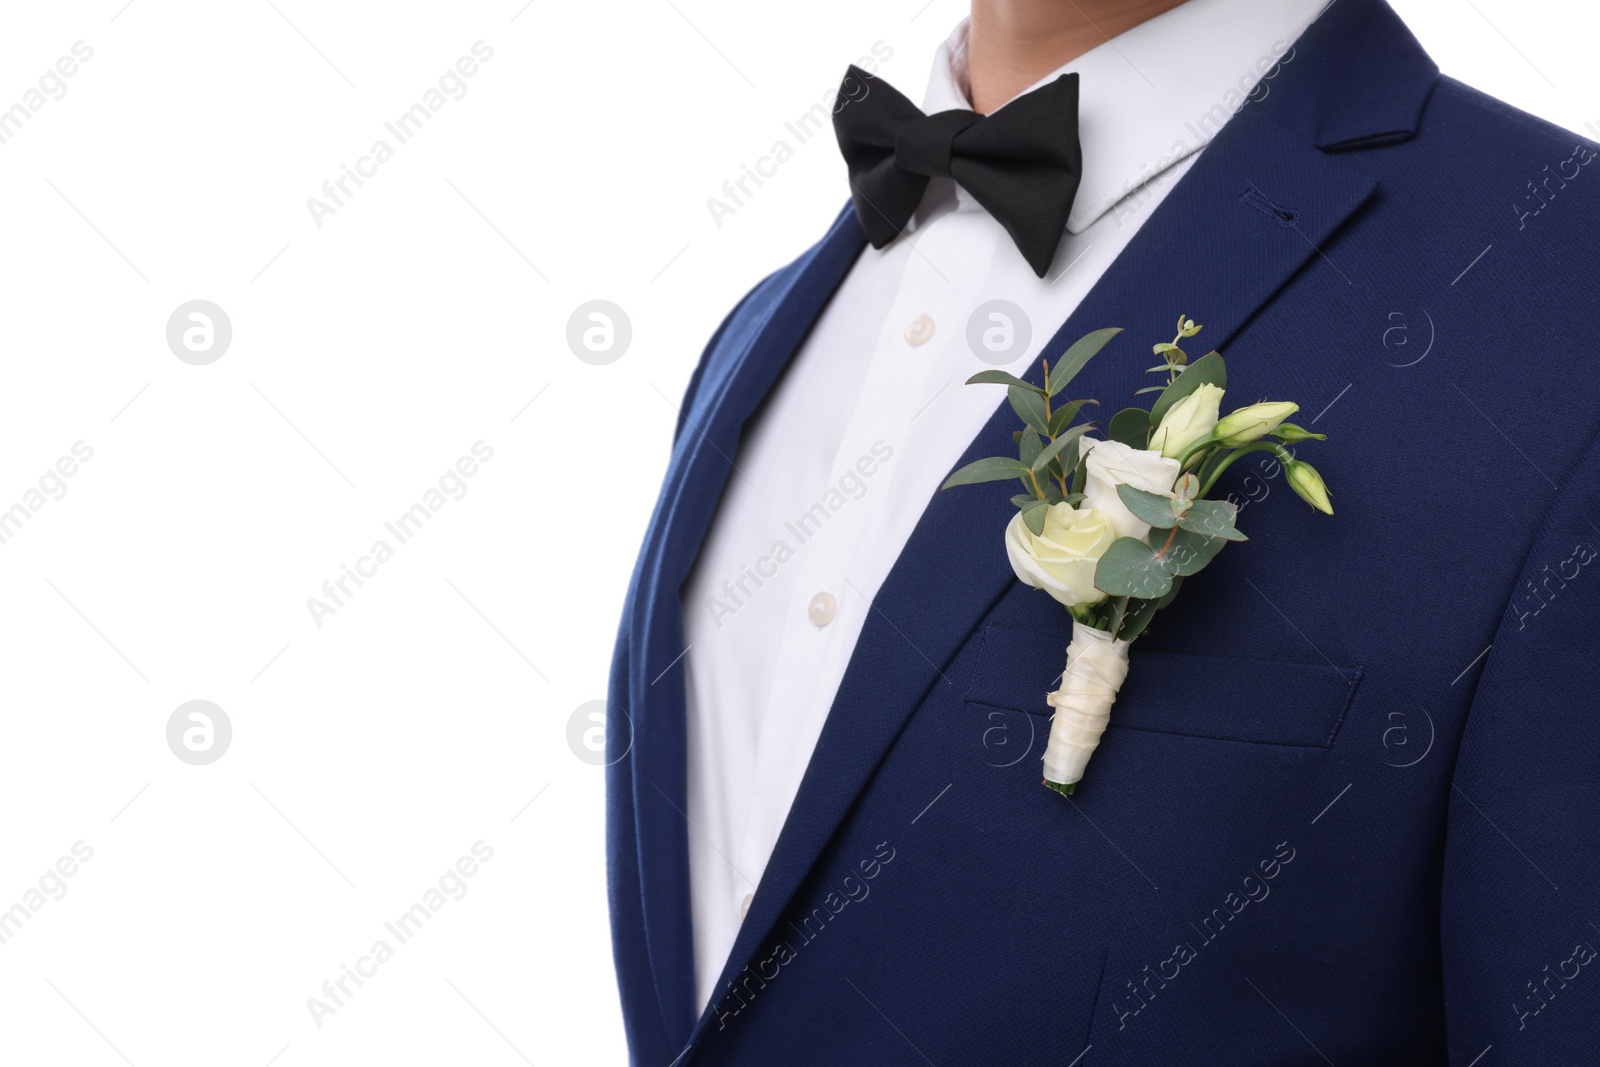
(1021, 163)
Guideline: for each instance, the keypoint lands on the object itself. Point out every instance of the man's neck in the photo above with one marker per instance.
(1013, 43)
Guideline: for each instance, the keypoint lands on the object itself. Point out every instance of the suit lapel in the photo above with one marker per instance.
(748, 363)
(1252, 212)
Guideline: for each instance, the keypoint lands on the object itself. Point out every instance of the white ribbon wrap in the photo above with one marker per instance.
(1096, 665)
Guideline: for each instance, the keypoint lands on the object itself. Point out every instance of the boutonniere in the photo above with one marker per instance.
(1111, 527)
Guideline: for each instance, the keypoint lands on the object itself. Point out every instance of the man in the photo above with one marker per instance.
(1346, 810)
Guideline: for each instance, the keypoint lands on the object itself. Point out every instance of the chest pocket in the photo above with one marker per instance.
(1222, 698)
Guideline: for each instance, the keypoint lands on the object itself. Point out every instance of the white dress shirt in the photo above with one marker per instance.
(872, 414)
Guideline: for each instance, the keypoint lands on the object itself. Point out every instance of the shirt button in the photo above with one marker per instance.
(919, 331)
(823, 607)
(744, 906)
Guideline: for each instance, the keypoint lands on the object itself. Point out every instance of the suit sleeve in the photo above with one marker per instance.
(630, 951)
(1520, 919)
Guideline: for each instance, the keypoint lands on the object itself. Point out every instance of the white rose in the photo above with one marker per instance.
(1112, 463)
(1062, 559)
(1187, 421)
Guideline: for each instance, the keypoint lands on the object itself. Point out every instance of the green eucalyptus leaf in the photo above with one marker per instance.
(1065, 460)
(1000, 377)
(1077, 357)
(1028, 447)
(1119, 607)
(1151, 388)
(1034, 517)
(1130, 567)
(1211, 518)
(1172, 594)
(1154, 508)
(992, 469)
(1208, 369)
(1131, 426)
(1055, 448)
(1029, 406)
(1062, 416)
(1148, 571)
(1136, 618)
(1190, 552)
(1024, 500)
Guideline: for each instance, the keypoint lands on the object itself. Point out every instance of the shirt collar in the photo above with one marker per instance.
(1154, 95)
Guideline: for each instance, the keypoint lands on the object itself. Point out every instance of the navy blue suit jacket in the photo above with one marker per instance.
(1347, 810)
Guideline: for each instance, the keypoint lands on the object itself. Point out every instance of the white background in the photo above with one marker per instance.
(426, 314)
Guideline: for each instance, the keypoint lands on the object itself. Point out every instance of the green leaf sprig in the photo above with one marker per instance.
(1139, 575)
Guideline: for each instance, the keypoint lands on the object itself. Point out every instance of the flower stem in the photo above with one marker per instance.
(1171, 536)
(1199, 446)
(1258, 446)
